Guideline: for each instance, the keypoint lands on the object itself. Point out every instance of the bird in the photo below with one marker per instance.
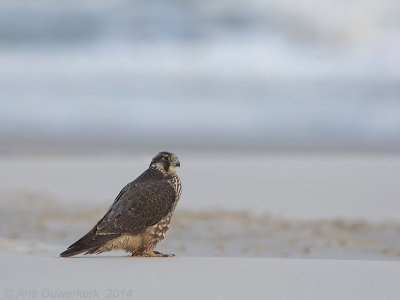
(140, 215)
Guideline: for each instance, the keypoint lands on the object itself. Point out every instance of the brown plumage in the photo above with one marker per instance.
(139, 217)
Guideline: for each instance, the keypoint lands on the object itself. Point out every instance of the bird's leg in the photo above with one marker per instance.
(152, 254)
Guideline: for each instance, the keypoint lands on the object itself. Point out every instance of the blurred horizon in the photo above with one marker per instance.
(240, 75)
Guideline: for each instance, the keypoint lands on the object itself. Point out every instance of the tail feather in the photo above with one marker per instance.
(73, 251)
(89, 243)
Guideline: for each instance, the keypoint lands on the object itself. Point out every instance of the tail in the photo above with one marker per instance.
(73, 251)
(89, 243)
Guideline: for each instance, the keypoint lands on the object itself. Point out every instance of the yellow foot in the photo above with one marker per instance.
(152, 254)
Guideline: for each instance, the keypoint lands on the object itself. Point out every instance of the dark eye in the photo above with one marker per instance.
(165, 157)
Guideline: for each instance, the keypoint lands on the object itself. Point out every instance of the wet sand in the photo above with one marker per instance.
(38, 224)
(335, 206)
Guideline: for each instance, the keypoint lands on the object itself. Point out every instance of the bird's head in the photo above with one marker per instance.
(165, 162)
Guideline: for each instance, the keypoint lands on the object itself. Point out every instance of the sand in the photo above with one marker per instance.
(270, 226)
(196, 278)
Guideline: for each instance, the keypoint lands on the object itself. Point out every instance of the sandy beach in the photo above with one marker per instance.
(245, 226)
(197, 278)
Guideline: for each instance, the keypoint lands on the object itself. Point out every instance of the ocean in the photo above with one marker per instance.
(199, 74)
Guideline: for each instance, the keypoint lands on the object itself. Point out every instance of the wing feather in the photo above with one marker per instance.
(140, 206)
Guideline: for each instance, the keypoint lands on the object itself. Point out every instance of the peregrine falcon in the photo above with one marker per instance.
(140, 216)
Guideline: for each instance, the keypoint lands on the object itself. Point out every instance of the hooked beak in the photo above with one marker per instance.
(176, 163)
